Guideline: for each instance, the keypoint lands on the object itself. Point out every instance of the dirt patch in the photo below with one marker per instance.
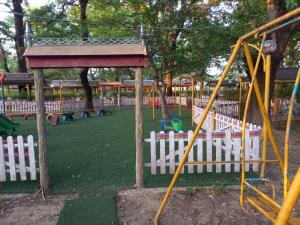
(186, 206)
(206, 205)
(26, 210)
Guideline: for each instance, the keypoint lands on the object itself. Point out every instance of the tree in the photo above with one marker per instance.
(275, 9)
(19, 34)
(84, 71)
(15, 6)
(3, 57)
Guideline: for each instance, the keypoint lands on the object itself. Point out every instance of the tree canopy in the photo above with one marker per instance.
(181, 36)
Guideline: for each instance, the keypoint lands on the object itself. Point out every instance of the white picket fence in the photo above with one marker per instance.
(227, 108)
(130, 101)
(17, 157)
(222, 123)
(169, 100)
(29, 107)
(167, 149)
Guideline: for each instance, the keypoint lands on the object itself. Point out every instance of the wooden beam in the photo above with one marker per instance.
(41, 127)
(139, 166)
(44, 62)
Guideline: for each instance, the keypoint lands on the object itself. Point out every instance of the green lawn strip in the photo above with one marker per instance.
(85, 156)
(92, 209)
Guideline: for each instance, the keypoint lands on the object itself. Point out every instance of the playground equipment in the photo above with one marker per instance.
(265, 204)
(171, 123)
(7, 127)
(189, 81)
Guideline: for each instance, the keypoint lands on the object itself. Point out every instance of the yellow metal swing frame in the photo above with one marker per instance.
(277, 214)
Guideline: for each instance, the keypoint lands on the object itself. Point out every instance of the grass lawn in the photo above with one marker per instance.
(96, 157)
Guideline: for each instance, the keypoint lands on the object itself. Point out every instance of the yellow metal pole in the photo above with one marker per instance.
(222, 161)
(266, 102)
(213, 120)
(289, 201)
(262, 108)
(153, 102)
(197, 129)
(245, 121)
(287, 134)
(193, 99)
(224, 74)
(271, 23)
(179, 106)
(276, 99)
(240, 97)
(201, 90)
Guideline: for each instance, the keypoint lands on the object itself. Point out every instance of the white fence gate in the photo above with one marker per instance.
(17, 157)
(166, 151)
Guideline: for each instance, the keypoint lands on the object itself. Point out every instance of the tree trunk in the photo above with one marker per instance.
(276, 8)
(162, 96)
(87, 89)
(19, 35)
(172, 55)
(4, 59)
(84, 72)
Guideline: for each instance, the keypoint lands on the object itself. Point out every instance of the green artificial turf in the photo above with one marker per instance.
(96, 157)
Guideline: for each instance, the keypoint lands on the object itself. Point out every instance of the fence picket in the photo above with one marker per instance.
(218, 155)
(191, 153)
(256, 153)
(199, 154)
(2, 162)
(181, 149)
(172, 152)
(247, 150)
(162, 158)
(20, 144)
(153, 152)
(11, 159)
(209, 147)
(237, 153)
(32, 166)
(228, 150)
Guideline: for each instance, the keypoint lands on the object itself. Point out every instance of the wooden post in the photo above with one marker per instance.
(240, 97)
(139, 166)
(28, 90)
(40, 118)
(101, 96)
(41, 127)
(187, 96)
(7, 90)
(201, 91)
(119, 97)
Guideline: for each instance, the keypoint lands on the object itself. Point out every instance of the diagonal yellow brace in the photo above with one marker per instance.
(262, 109)
(197, 129)
(287, 134)
(253, 74)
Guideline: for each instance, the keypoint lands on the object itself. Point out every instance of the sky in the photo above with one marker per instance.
(32, 3)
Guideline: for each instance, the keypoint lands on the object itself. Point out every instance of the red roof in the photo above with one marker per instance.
(84, 56)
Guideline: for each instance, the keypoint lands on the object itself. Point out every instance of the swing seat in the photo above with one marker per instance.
(269, 209)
